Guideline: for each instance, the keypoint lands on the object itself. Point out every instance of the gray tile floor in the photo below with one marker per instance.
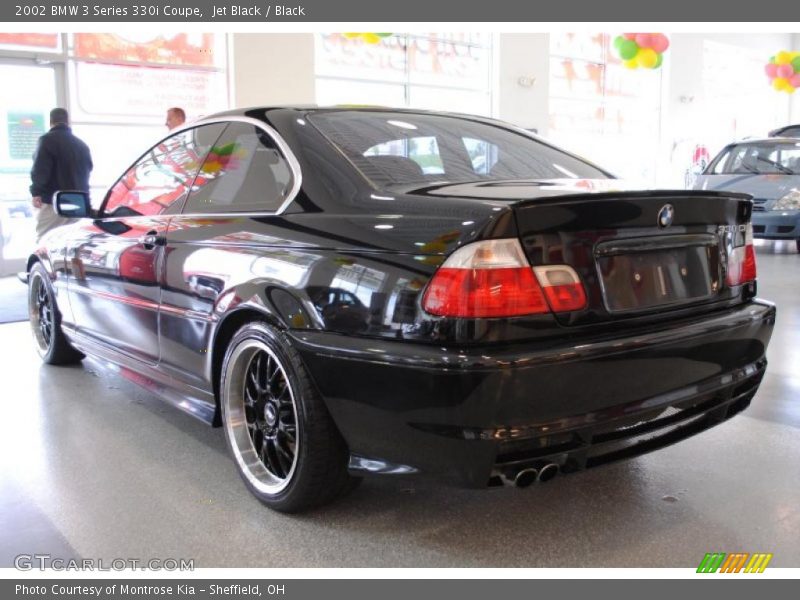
(92, 466)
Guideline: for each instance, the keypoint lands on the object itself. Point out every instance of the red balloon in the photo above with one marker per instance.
(795, 80)
(771, 70)
(643, 40)
(785, 71)
(659, 42)
(629, 36)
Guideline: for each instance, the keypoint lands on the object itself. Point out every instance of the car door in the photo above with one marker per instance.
(115, 261)
(218, 242)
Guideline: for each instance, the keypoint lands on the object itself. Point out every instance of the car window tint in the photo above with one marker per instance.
(417, 148)
(160, 180)
(244, 172)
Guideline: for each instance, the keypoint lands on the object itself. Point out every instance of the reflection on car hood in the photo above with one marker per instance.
(768, 187)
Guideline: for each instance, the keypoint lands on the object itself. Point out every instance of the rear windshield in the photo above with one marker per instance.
(407, 149)
(758, 159)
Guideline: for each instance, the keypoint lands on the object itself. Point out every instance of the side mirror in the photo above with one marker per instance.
(73, 204)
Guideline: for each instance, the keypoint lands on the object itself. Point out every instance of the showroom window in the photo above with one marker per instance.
(437, 71)
(121, 87)
(602, 110)
(739, 103)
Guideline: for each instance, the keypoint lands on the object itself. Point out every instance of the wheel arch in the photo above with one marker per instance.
(226, 328)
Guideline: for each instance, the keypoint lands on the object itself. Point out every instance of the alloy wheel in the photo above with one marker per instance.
(261, 416)
(41, 313)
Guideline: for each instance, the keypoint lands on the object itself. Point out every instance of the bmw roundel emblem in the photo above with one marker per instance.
(665, 215)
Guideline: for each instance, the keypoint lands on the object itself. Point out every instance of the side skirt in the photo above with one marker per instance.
(194, 401)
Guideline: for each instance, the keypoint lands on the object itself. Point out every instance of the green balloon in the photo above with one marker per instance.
(628, 49)
(772, 59)
(796, 64)
(383, 35)
(659, 60)
(618, 41)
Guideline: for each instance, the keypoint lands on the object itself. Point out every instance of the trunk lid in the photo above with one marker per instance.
(638, 253)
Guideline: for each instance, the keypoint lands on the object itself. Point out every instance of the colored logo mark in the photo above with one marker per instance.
(738, 562)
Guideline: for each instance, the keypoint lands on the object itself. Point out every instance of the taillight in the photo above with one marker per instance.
(742, 261)
(562, 287)
(494, 279)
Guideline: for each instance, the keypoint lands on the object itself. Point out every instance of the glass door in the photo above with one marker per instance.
(29, 93)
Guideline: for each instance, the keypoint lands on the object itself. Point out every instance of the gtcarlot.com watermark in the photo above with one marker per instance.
(42, 562)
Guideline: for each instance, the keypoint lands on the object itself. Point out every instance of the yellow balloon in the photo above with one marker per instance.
(351, 36)
(783, 58)
(647, 58)
(779, 83)
(631, 64)
(370, 38)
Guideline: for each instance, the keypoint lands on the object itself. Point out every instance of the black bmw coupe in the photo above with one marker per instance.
(357, 291)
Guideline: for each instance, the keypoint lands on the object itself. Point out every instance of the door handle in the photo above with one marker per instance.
(151, 239)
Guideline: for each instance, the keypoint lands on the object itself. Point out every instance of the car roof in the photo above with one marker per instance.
(766, 140)
(312, 108)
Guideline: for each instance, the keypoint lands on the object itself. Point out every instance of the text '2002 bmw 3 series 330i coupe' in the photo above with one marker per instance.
(353, 291)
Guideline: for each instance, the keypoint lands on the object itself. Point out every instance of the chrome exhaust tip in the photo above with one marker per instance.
(548, 471)
(525, 477)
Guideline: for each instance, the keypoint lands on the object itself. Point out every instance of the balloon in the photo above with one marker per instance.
(783, 58)
(643, 40)
(795, 80)
(796, 64)
(779, 83)
(628, 50)
(772, 59)
(659, 42)
(351, 36)
(618, 41)
(785, 71)
(629, 36)
(659, 60)
(370, 38)
(631, 64)
(647, 58)
(771, 70)
(383, 35)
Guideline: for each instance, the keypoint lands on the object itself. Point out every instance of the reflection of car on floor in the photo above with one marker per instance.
(295, 276)
(769, 170)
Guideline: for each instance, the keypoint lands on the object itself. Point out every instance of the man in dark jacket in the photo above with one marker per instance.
(62, 162)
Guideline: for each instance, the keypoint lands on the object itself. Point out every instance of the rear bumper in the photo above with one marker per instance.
(467, 415)
(776, 225)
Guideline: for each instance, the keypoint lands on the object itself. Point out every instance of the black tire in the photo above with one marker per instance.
(283, 441)
(797, 244)
(45, 318)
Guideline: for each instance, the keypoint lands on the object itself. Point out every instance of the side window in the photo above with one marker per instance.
(243, 172)
(161, 179)
(719, 166)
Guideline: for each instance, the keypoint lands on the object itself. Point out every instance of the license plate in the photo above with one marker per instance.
(648, 279)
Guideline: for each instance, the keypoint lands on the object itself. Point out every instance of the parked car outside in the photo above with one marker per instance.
(355, 291)
(769, 170)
